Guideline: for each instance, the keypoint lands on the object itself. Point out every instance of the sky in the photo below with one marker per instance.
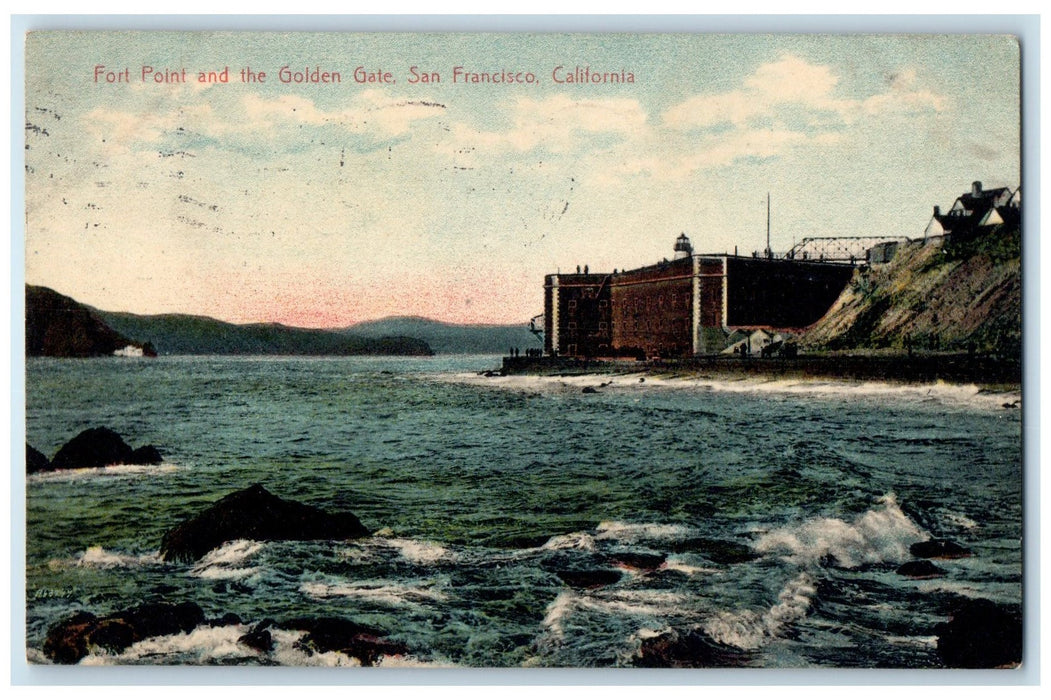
(327, 204)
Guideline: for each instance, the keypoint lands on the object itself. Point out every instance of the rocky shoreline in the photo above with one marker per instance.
(976, 633)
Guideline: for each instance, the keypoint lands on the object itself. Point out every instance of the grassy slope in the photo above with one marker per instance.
(933, 298)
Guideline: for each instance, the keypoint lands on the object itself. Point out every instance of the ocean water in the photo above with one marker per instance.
(768, 516)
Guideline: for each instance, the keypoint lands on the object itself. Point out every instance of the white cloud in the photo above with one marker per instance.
(372, 112)
(557, 122)
(791, 79)
(791, 82)
(702, 153)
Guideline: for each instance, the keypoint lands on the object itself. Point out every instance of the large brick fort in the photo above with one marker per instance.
(685, 307)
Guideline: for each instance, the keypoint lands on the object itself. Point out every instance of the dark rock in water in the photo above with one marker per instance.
(113, 635)
(920, 569)
(589, 579)
(67, 642)
(938, 549)
(225, 621)
(147, 454)
(95, 447)
(101, 447)
(72, 639)
(691, 649)
(36, 461)
(154, 619)
(362, 642)
(646, 561)
(718, 551)
(258, 639)
(981, 634)
(255, 514)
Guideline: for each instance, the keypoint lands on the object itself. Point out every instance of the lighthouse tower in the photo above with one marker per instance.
(683, 249)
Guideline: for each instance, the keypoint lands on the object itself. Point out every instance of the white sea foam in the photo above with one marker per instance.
(222, 563)
(572, 540)
(402, 661)
(286, 653)
(749, 629)
(961, 520)
(417, 551)
(919, 642)
(963, 588)
(557, 611)
(112, 471)
(382, 592)
(610, 530)
(642, 603)
(99, 558)
(674, 564)
(882, 534)
(940, 391)
(204, 644)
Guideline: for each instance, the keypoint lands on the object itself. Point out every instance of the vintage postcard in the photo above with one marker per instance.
(523, 350)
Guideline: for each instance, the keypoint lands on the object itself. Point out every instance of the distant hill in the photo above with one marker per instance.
(177, 334)
(58, 326)
(963, 294)
(449, 338)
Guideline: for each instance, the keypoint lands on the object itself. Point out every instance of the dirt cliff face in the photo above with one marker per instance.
(962, 294)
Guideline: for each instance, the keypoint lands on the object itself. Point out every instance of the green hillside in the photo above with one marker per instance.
(176, 334)
(451, 339)
(962, 295)
(58, 326)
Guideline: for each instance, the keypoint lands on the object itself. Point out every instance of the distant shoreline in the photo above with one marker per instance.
(919, 369)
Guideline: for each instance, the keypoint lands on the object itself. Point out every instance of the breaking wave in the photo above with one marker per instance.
(99, 558)
(749, 629)
(381, 592)
(882, 534)
(639, 531)
(219, 645)
(222, 563)
(417, 551)
(642, 603)
(573, 540)
(201, 645)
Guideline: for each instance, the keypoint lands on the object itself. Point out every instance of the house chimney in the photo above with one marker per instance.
(937, 210)
(976, 188)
